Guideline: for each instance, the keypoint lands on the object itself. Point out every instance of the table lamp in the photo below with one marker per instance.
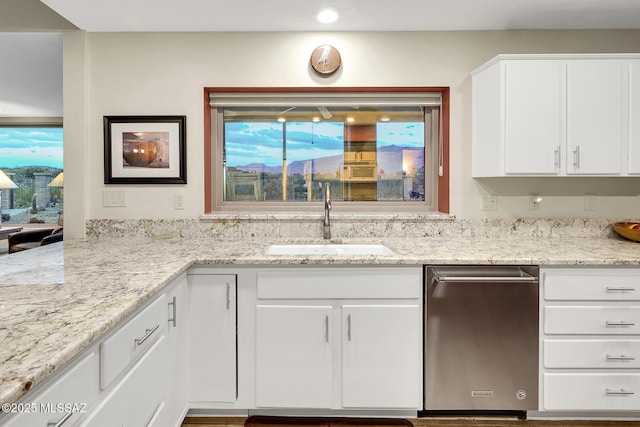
(58, 181)
(5, 182)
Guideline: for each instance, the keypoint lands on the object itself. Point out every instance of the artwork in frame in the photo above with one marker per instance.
(145, 150)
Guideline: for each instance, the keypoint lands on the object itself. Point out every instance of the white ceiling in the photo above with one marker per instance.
(29, 89)
(355, 15)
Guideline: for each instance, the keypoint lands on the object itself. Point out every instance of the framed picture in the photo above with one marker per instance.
(145, 150)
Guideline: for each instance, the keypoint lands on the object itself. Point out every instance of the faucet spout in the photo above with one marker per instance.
(327, 208)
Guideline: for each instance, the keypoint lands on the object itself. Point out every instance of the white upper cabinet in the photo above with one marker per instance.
(556, 115)
(533, 106)
(634, 118)
(596, 105)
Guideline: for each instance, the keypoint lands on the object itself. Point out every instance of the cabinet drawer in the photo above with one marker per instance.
(592, 354)
(340, 283)
(135, 399)
(595, 392)
(592, 285)
(597, 320)
(130, 341)
(73, 393)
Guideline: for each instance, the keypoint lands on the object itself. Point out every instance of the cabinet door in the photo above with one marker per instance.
(293, 356)
(211, 338)
(382, 356)
(634, 118)
(595, 116)
(171, 412)
(534, 99)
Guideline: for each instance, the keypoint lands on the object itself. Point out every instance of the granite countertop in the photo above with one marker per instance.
(46, 321)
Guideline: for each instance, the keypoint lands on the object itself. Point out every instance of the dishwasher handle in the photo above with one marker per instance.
(523, 277)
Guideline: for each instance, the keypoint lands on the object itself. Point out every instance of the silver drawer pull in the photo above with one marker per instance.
(619, 392)
(619, 289)
(149, 332)
(172, 319)
(621, 357)
(61, 422)
(620, 323)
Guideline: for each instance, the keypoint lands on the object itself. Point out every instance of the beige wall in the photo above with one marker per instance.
(165, 73)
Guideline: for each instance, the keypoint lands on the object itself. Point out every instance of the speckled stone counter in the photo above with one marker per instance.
(45, 322)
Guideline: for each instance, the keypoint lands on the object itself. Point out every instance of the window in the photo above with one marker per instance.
(32, 157)
(376, 151)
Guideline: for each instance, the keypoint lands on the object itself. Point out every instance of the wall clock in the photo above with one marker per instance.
(325, 60)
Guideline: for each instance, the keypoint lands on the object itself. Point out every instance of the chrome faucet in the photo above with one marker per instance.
(327, 208)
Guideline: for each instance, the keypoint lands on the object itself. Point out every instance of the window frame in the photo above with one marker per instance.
(213, 122)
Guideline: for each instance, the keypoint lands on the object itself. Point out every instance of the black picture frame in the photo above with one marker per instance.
(145, 150)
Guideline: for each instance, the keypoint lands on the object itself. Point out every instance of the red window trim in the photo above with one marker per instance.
(443, 180)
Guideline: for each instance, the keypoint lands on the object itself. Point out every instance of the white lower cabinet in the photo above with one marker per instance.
(591, 339)
(294, 350)
(592, 353)
(380, 353)
(592, 391)
(141, 382)
(211, 337)
(134, 401)
(339, 338)
(64, 401)
(131, 340)
(172, 409)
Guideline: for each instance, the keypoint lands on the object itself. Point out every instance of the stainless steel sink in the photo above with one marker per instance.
(329, 249)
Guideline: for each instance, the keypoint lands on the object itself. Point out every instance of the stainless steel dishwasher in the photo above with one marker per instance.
(481, 339)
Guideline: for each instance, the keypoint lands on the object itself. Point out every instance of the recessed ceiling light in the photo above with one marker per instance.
(327, 15)
(384, 119)
(350, 119)
(282, 119)
(316, 119)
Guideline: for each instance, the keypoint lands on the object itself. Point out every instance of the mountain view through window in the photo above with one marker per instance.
(32, 158)
(289, 154)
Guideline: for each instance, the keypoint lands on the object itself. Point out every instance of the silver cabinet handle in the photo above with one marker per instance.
(172, 304)
(556, 153)
(61, 421)
(619, 392)
(620, 323)
(149, 332)
(349, 327)
(326, 328)
(621, 357)
(619, 289)
(576, 157)
(228, 296)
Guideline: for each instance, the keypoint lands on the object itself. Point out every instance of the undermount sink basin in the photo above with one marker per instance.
(329, 249)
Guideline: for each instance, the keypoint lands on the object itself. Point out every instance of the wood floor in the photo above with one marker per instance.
(420, 422)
